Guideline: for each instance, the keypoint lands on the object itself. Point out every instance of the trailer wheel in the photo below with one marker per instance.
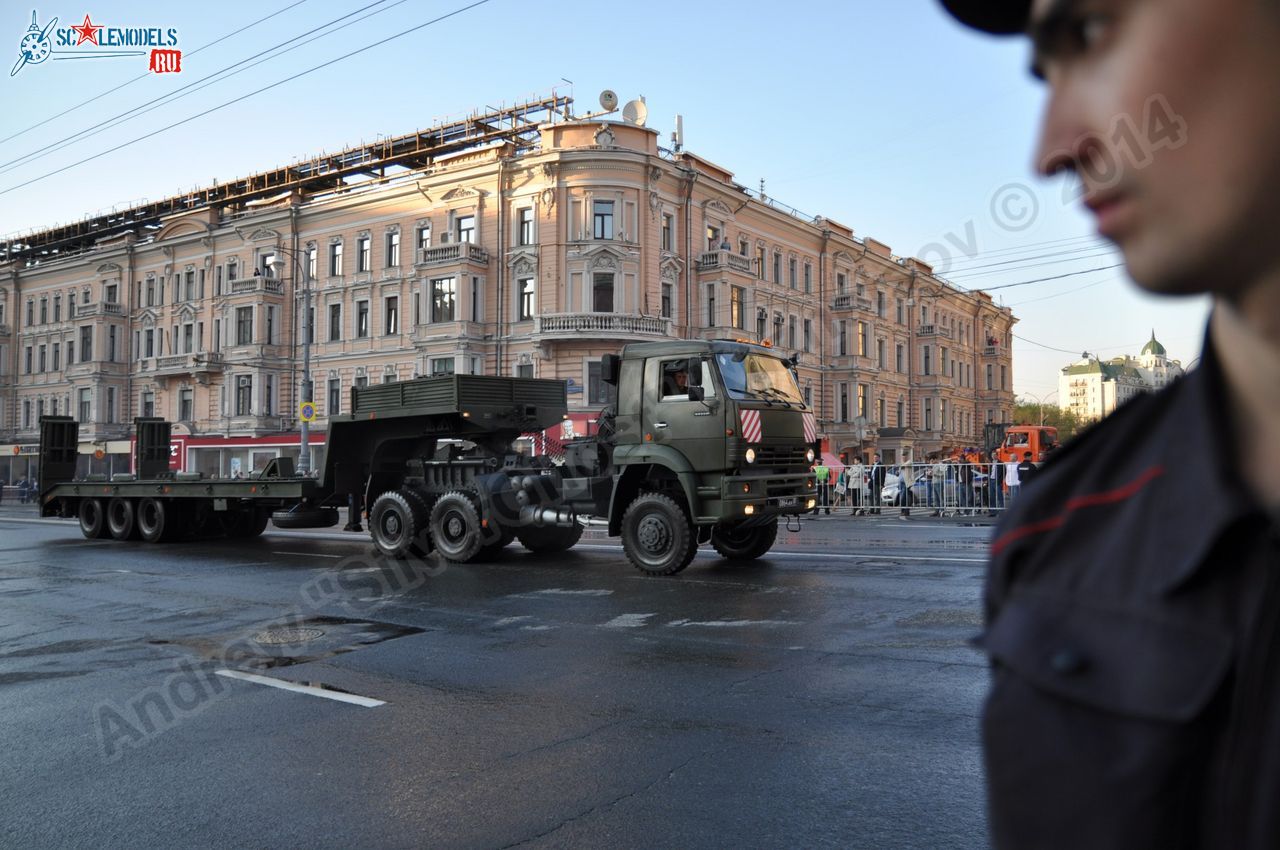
(455, 527)
(657, 535)
(93, 521)
(305, 518)
(739, 543)
(550, 538)
(396, 522)
(156, 520)
(247, 524)
(122, 519)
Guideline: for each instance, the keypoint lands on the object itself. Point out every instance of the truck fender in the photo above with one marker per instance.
(638, 464)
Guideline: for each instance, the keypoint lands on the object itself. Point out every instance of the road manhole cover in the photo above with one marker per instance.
(286, 637)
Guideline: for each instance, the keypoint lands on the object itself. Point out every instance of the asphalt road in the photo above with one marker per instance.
(824, 696)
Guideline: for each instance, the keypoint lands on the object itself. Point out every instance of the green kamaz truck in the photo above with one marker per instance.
(709, 441)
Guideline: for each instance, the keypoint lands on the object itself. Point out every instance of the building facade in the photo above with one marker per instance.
(1092, 388)
(529, 254)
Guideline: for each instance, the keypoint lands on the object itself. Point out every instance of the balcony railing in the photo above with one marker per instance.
(716, 260)
(848, 301)
(188, 364)
(991, 351)
(255, 423)
(269, 285)
(458, 252)
(602, 324)
(934, 330)
(103, 308)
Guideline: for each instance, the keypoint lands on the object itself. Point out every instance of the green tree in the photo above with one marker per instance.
(1030, 413)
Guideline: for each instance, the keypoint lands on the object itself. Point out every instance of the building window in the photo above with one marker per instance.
(311, 262)
(85, 406)
(599, 392)
(668, 226)
(808, 277)
(842, 411)
(762, 318)
(444, 295)
(744, 247)
(666, 300)
(186, 405)
(335, 396)
(391, 315)
(362, 319)
(898, 304)
(760, 258)
(524, 226)
(879, 354)
(791, 272)
(525, 293)
(148, 404)
(364, 254)
(842, 338)
(862, 400)
(42, 359)
(424, 236)
(442, 366)
(57, 359)
(361, 381)
(808, 335)
(777, 267)
(602, 292)
(244, 395)
(31, 313)
(864, 345)
(86, 344)
(928, 414)
(477, 300)
(602, 219)
(112, 336)
(244, 326)
(899, 422)
(44, 311)
(881, 308)
(268, 393)
(990, 377)
(736, 317)
(791, 332)
(335, 322)
(1004, 377)
(335, 259)
(391, 249)
(842, 283)
(466, 228)
(898, 357)
(711, 305)
(926, 360)
(271, 325)
(524, 370)
(233, 268)
(880, 412)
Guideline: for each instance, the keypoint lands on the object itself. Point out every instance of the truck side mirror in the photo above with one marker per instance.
(695, 374)
(610, 366)
(696, 392)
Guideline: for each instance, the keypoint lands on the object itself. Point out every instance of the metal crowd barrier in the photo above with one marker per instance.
(947, 489)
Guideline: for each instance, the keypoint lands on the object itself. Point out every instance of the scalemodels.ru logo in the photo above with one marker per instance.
(98, 41)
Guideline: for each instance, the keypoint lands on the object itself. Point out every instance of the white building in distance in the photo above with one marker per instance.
(1092, 388)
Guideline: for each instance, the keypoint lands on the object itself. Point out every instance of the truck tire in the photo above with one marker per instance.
(157, 520)
(490, 550)
(305, 518)
(93, 520)
(657, 535)
(455, 527)
(736, 543)
(550, 538)
(122, 519)
(247, 523)
(397, 522)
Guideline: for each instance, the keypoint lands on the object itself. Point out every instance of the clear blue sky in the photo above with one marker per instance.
(886, 117)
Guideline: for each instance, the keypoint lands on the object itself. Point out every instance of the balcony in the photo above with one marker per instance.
(991, 351)
(254, 285)
(243, 424)
(934, 330)
(99, 308)
(713, 261)
(97, 368)
(457, 253)
(848, 301)
(601, 326)
(854, 362)
(187, 364)
(929, 381)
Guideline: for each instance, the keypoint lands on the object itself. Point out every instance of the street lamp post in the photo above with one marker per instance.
(1040, 400)
(304, 431)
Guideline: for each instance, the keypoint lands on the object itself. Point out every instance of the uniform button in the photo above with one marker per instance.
(1067, 661)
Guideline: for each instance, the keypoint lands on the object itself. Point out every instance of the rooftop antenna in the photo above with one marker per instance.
(677, 136)
(763, 196)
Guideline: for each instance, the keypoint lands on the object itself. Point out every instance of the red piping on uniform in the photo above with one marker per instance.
(1087, 501)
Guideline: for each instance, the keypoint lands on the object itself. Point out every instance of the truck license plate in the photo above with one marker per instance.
(789, 501)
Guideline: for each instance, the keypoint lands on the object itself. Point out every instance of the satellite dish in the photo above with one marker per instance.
(635, 112)
(608, 100)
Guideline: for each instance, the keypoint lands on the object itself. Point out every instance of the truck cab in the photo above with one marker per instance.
(1020, 439)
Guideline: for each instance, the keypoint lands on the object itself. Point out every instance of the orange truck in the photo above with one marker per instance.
(1020, 439)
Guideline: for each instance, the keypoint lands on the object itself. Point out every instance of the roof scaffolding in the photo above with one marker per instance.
(516, 124)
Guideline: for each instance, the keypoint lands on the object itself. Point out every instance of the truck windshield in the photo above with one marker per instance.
(758, 376)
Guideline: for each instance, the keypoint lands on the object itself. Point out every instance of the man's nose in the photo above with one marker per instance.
(1065, 139)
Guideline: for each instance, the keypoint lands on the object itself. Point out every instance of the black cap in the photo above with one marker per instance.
(998, 17)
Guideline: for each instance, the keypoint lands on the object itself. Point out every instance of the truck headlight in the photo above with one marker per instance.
(750, 455)
(809, 455)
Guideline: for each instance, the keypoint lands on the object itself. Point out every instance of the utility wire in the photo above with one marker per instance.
(212, 109)
(96, 97)
(196, 85)
(1025, 282)
(1028, 257)
(1068, 291)
(1032, 265)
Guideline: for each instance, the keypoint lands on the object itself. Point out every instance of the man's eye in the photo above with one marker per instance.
(1089, 30)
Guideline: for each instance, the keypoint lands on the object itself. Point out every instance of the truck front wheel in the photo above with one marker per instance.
(657, 535)
(739, 542)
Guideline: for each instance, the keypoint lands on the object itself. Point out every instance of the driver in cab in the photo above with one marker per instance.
(675, 379)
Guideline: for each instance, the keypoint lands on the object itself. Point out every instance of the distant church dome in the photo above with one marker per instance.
(1153, 347)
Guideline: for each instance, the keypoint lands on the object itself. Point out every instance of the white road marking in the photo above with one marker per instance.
(338, 696)
(536, 628)
(844, 556)
(506, 621)
(560, 591)
(627, 621)
(305, 554)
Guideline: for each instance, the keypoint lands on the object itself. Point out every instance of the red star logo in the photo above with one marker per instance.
(88, 31)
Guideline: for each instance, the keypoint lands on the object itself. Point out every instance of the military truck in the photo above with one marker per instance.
(708, 441)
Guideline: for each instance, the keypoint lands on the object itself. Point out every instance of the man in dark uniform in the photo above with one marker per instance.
(1133, 598)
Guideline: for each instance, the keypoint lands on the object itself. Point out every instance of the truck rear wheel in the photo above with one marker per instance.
(493, 547)
(157, 520)
(550, 538)
(397, 523)
(455, 527)
(247, 523)
(657, 535)
(93, 521)
(739, 542)
(122, 519)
